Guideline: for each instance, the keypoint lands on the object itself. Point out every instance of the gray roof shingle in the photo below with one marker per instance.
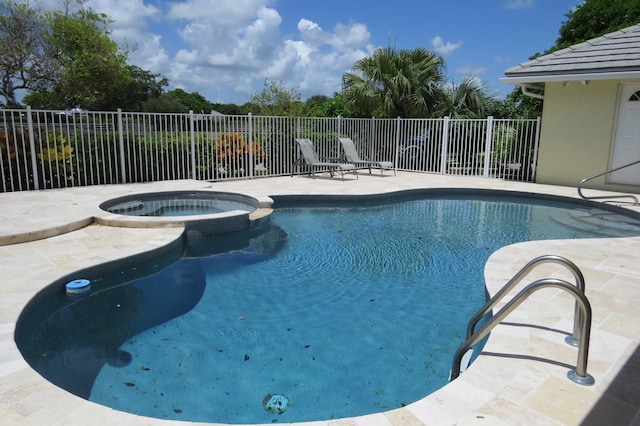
(616, 52)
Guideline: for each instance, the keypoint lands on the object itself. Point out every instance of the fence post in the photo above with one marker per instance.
(374, 141)
(534, 163)
(250, 143)
(192, 130)
(123, 168)
(488, 146)
(32, 149)
(397, 138)
(297, 128)
(445, 145)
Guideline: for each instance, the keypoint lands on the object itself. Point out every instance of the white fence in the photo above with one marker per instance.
(54, 149)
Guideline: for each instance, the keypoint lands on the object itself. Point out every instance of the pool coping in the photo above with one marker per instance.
(75, 218)
(503, 385)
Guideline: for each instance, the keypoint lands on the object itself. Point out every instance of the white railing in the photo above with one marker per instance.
(54, 149)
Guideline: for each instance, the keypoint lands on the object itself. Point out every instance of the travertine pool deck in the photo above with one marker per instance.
(520, 379)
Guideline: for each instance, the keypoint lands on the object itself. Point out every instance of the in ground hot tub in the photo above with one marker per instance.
(209, 212)
(180, 203)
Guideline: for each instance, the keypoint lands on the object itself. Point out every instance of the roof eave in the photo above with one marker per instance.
(540, 79)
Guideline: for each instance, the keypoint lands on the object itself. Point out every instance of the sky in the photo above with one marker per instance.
(226, 49)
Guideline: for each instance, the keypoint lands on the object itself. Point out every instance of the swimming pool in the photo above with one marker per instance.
(348, 259)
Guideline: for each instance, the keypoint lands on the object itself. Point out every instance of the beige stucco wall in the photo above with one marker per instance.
(577, 132)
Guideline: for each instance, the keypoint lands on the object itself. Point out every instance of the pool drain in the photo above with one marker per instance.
(277, 404)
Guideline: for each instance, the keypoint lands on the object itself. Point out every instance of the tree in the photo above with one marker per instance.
(191, 101)
(394, 83)
(141, 86)
(594, 18)
(249, 107)
(91, 63)
(84, 67)
(323, 106)
(313, 106)
(277, 100)
(469, 99)
(228, 109)
(163, 103)
(517, 105)
(25, 57)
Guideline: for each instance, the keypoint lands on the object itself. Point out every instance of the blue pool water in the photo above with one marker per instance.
(344, 311)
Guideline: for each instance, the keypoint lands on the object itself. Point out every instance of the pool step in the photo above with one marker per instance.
(599, 222)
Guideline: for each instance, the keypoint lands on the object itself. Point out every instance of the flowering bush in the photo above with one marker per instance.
(56, 157)
(233, 152)
(55, 166)
(60, 151)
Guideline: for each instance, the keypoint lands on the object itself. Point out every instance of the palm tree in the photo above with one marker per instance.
(469, 99)
(394, 83)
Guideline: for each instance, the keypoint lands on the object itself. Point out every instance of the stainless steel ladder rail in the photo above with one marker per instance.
(635, 202)
(579, 374)
(573, 339)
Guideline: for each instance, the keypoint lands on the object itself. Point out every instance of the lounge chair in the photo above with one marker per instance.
(354, 158)
(311, 159)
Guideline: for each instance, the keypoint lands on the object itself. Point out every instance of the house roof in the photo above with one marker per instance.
(612, 56)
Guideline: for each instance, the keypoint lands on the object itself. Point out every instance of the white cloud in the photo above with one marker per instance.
(126, 14)
(250, 49)
(343, 37)
(226, 50)
(245, 43)
(149, 54)
(225, 13)
(316, 62)
(444, 48)
(519, 4)
(311, 32)
(353, 35)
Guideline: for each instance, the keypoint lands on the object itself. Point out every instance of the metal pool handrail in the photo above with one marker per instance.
(579, 374)
(635, 202)
(577, 274)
